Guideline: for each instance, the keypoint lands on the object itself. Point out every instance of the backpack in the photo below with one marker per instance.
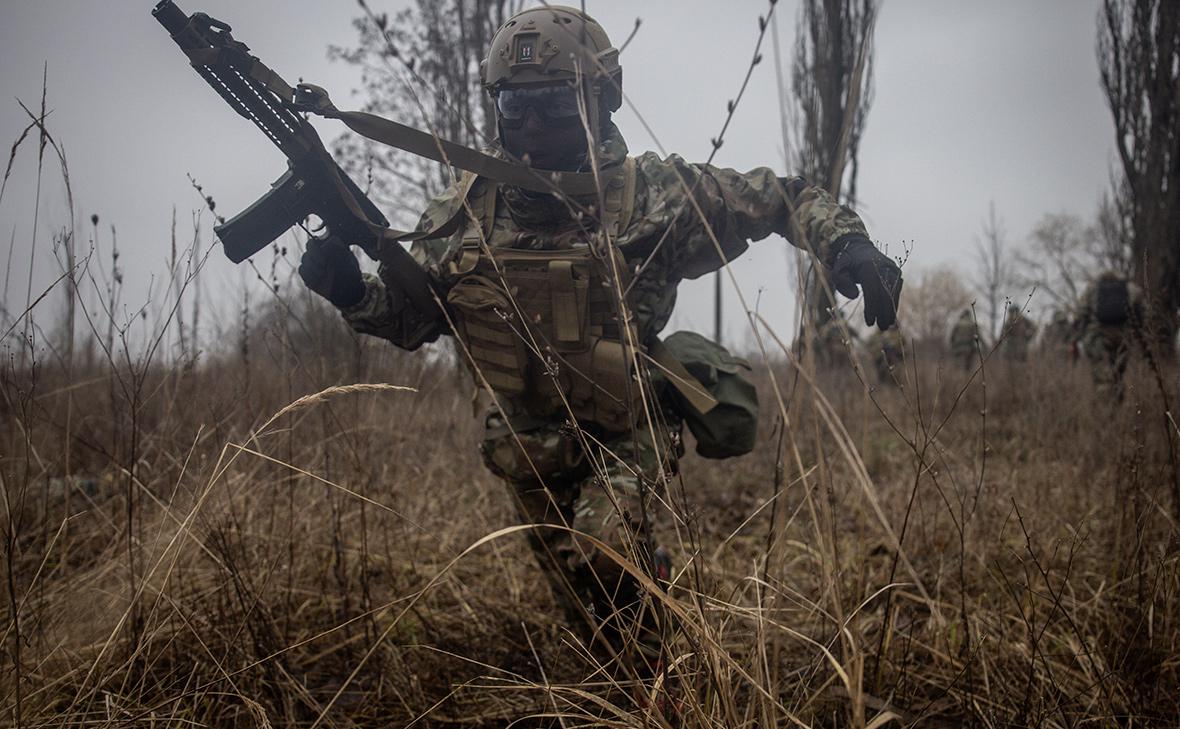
(1112, 302)
(730, 427)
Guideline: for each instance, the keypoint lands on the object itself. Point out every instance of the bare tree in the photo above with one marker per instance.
(933, 300)
(832, 82)
(421, 67)
(1139, 60)
(1065, 253)
(1112, 236)
(993, 272)
(1058, 260)
(832, 85)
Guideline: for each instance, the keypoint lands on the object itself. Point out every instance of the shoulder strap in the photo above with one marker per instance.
(481, 196)
(619, 199)
(444, 227)
(690, 387)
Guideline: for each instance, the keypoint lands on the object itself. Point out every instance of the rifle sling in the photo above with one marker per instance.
(678, 375)
(407, 138)
(432, 147)
(435, 148)
(386, 244)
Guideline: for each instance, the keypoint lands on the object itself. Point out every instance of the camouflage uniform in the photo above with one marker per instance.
(1108, 345)
(1059, 339)
(1019, 331)
(600, 482)
(887, 350)
(964, 335)
(833, 341)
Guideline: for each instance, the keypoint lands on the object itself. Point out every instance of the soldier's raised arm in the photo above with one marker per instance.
(375, 304)
(740, 207)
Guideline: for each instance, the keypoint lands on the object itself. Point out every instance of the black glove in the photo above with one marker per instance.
(859, 262)
(329, 269)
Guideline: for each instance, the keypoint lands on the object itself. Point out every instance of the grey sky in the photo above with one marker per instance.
(974, 102)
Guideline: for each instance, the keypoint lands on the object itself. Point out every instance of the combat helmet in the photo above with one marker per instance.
(553, 43)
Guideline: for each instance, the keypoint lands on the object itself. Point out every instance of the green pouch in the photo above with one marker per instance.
(730, 428)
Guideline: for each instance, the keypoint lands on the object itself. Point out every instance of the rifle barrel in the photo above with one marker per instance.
(228, 76)
(170, 16)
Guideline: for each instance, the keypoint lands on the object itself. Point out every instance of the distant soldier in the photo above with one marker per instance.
(1109, 320)
(887, 352)
(1019, 331)
(964, 335)
(1060, 338)
(831, 349)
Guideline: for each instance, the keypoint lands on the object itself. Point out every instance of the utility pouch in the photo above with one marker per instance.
(600, 385)
(730, 427)
(552, 291)
(489, 327)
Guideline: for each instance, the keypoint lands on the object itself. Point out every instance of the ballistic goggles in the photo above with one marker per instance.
(550, 103)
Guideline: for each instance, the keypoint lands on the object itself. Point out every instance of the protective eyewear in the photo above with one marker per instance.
(550, 103)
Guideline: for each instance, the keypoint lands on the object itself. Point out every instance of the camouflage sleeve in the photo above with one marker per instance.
(384, 311)
(737, 207)
(819, 223)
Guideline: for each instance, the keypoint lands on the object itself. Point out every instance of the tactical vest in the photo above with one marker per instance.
(542, 326)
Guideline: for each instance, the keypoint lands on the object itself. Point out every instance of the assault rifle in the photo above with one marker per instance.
(313, 183)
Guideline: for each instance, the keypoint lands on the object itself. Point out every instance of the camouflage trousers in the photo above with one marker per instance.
(608, 487)
(965, 356)
(1108, 349)
(888, 365)
(1015, 349)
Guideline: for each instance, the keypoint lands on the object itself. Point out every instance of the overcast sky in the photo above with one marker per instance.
(974, 103)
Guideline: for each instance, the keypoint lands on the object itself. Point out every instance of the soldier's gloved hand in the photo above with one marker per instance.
(860, 263)
(329, 269)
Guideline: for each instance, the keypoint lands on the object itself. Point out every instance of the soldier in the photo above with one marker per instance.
(1059, 339)
(1109, 320)
(556, 302)
(887, 350)
(1019, 331)
(964, 336)
(833, 340)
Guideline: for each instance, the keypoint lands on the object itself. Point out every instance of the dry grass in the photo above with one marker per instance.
(999, 562)
(253, 538)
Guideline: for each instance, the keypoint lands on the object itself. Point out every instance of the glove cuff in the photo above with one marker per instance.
(366, 301)
(853, 247)
(348, 293)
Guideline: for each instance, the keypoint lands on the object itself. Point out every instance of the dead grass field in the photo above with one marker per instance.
(199, 546)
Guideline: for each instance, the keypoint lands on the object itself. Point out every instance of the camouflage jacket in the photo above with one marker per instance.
(963, 334)
(667, 238)
(890, 342)
(1019, 328)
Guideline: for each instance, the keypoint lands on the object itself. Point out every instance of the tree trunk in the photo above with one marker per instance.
(1139, 60)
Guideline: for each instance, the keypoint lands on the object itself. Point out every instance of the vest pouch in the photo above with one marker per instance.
(730, 428)
(552, 290)
(491, 331)
(600, 382)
